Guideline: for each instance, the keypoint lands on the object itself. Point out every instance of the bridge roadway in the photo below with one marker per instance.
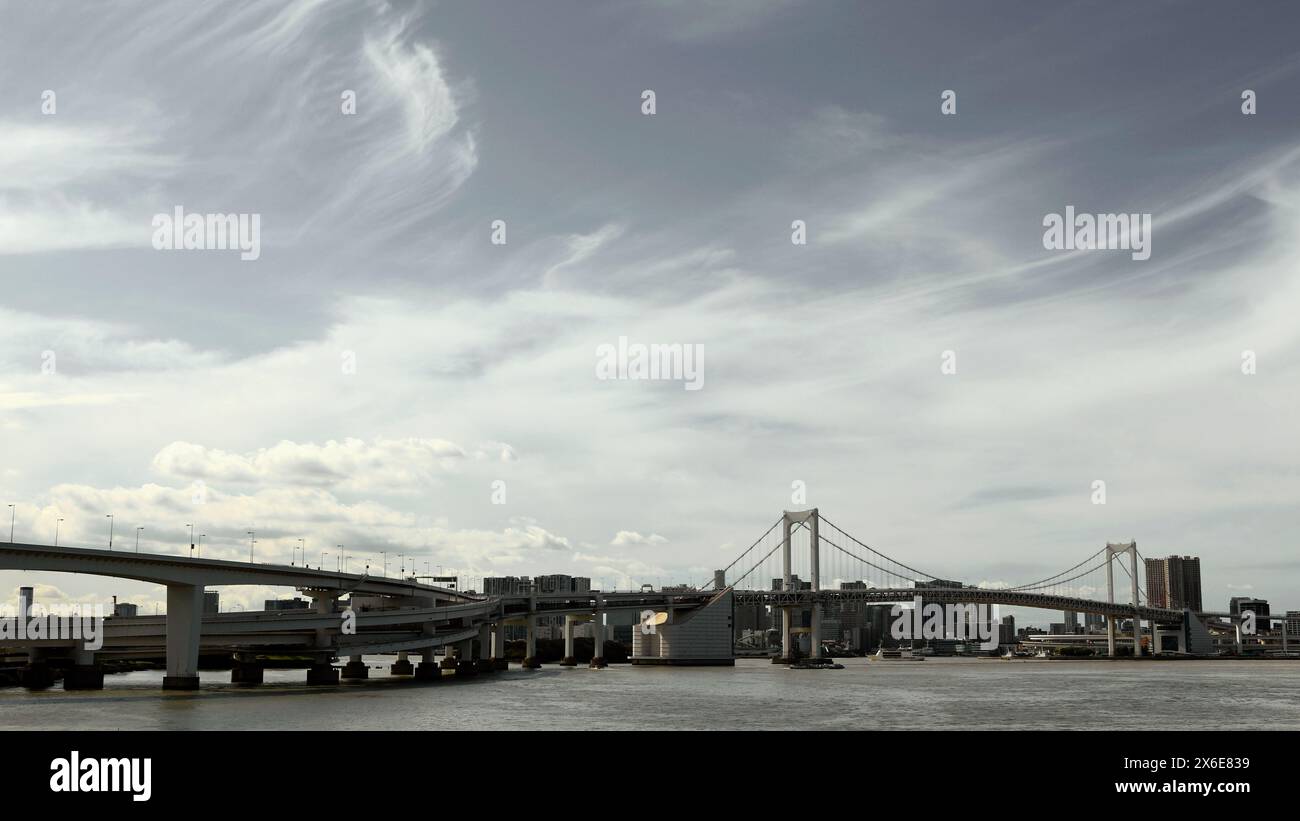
(959, 595)
(391, 615)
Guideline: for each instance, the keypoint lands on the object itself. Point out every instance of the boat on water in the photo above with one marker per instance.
(897, 655)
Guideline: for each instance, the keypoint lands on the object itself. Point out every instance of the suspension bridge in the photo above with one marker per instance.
(803, 550)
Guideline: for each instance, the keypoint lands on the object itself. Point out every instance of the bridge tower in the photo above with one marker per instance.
(1113, 550)
(788, 521)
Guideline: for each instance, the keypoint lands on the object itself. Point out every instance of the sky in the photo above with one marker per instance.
(386, 377)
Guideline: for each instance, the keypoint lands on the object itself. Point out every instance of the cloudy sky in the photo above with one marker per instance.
(383, 365)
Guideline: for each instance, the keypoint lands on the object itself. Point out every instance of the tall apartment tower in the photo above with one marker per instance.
(1174, 582)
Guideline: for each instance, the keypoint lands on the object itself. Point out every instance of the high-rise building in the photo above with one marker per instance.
(1094, 623)
(1174, 582)
(286, 604)
(1239, 603)
(506, 585)
(1293, 623)
(211, 602)
(1007, 630)
(1071, 621)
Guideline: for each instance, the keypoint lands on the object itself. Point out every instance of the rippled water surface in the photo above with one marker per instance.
(936, 693)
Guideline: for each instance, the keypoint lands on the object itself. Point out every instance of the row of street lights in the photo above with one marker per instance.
(341, 558)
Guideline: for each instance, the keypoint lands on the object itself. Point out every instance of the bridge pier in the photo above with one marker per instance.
(401, 667)
(449, 656)
(465, 665)
(322, 672)
(598, 636)
(429, 669)
(569, 659)
(246, 672)
(355, 668)
(184, 624)
(499, 661)
(482, 662)
(530, 651)
(84, 674)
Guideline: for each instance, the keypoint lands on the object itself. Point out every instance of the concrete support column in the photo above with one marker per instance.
(787, 645)
(1110, 597)
(322, 672)
(483, 662)
(787, 640)
(84, 674)
(569, 659)
(465, 664)
(184, 627)
(428, 670)
(1137, 622)
(499, 661)
(598, 635)
(530, 651)
(401, 667)
(355, 668)
(815, 639)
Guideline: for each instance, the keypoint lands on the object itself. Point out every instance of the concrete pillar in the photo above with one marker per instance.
(814, 539)
(355, 668)
(499, 661)
(246, 672)
(787, 640)
(569, 659)
(84, 674)
(184, 627)
(482, 662)
(37, 675)
(1110, 597)
(429, 669)
(322, 672)
(787, 646)
(1284, 645)
(598, 636)
(465, 665)
(401, 667)
(530, 653)
(1137, 622)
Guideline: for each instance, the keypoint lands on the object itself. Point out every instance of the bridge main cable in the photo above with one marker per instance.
(920, 573)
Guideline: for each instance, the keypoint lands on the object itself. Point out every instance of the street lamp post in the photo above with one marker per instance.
(13, 513)
(202, 536)
(56, 532)
(191, 527)
(338, 560)
(110, 531)
(251, 542)
(323, 554)
(137, 539)
(302, 545)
